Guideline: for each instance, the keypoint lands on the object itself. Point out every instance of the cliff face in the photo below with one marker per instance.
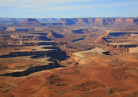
(68, 21)
(91, 20)
(136, 20)
(80, 21)
(127, 21)
(99, 21)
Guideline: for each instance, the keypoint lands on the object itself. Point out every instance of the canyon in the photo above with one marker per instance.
(69, 57)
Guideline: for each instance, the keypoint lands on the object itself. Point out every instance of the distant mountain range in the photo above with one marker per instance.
(41, 22)
(99, 21)
(17, 20)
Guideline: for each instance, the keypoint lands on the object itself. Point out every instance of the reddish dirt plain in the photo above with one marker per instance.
(96, 75)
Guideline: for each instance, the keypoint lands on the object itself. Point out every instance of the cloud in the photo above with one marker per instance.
(80, 7)
(32, 3)
(43, 1)
(59, 5)
(26, 3)
(27, 6)
(1, 5)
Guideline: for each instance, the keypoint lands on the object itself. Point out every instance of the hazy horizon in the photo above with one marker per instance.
(67, 17)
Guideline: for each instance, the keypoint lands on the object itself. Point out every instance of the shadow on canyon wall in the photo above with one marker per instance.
(33, 69)
(54, 54)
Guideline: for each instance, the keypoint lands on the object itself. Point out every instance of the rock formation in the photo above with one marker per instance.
(99, 21)
(28, 22)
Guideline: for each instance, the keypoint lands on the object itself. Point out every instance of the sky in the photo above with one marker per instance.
(68, 8)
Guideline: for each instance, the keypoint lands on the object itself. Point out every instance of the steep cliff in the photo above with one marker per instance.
(99, 21)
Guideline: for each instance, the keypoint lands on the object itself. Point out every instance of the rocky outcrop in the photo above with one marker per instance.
(118, 20)
(10, 29)
(136, 20)
(118, 49)
(127, 21)
(133, 50)
(68, 21)
(108, 21)
(28, 22)
(91, 20)
(82, 21)
(52, 34)
(98, 21)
